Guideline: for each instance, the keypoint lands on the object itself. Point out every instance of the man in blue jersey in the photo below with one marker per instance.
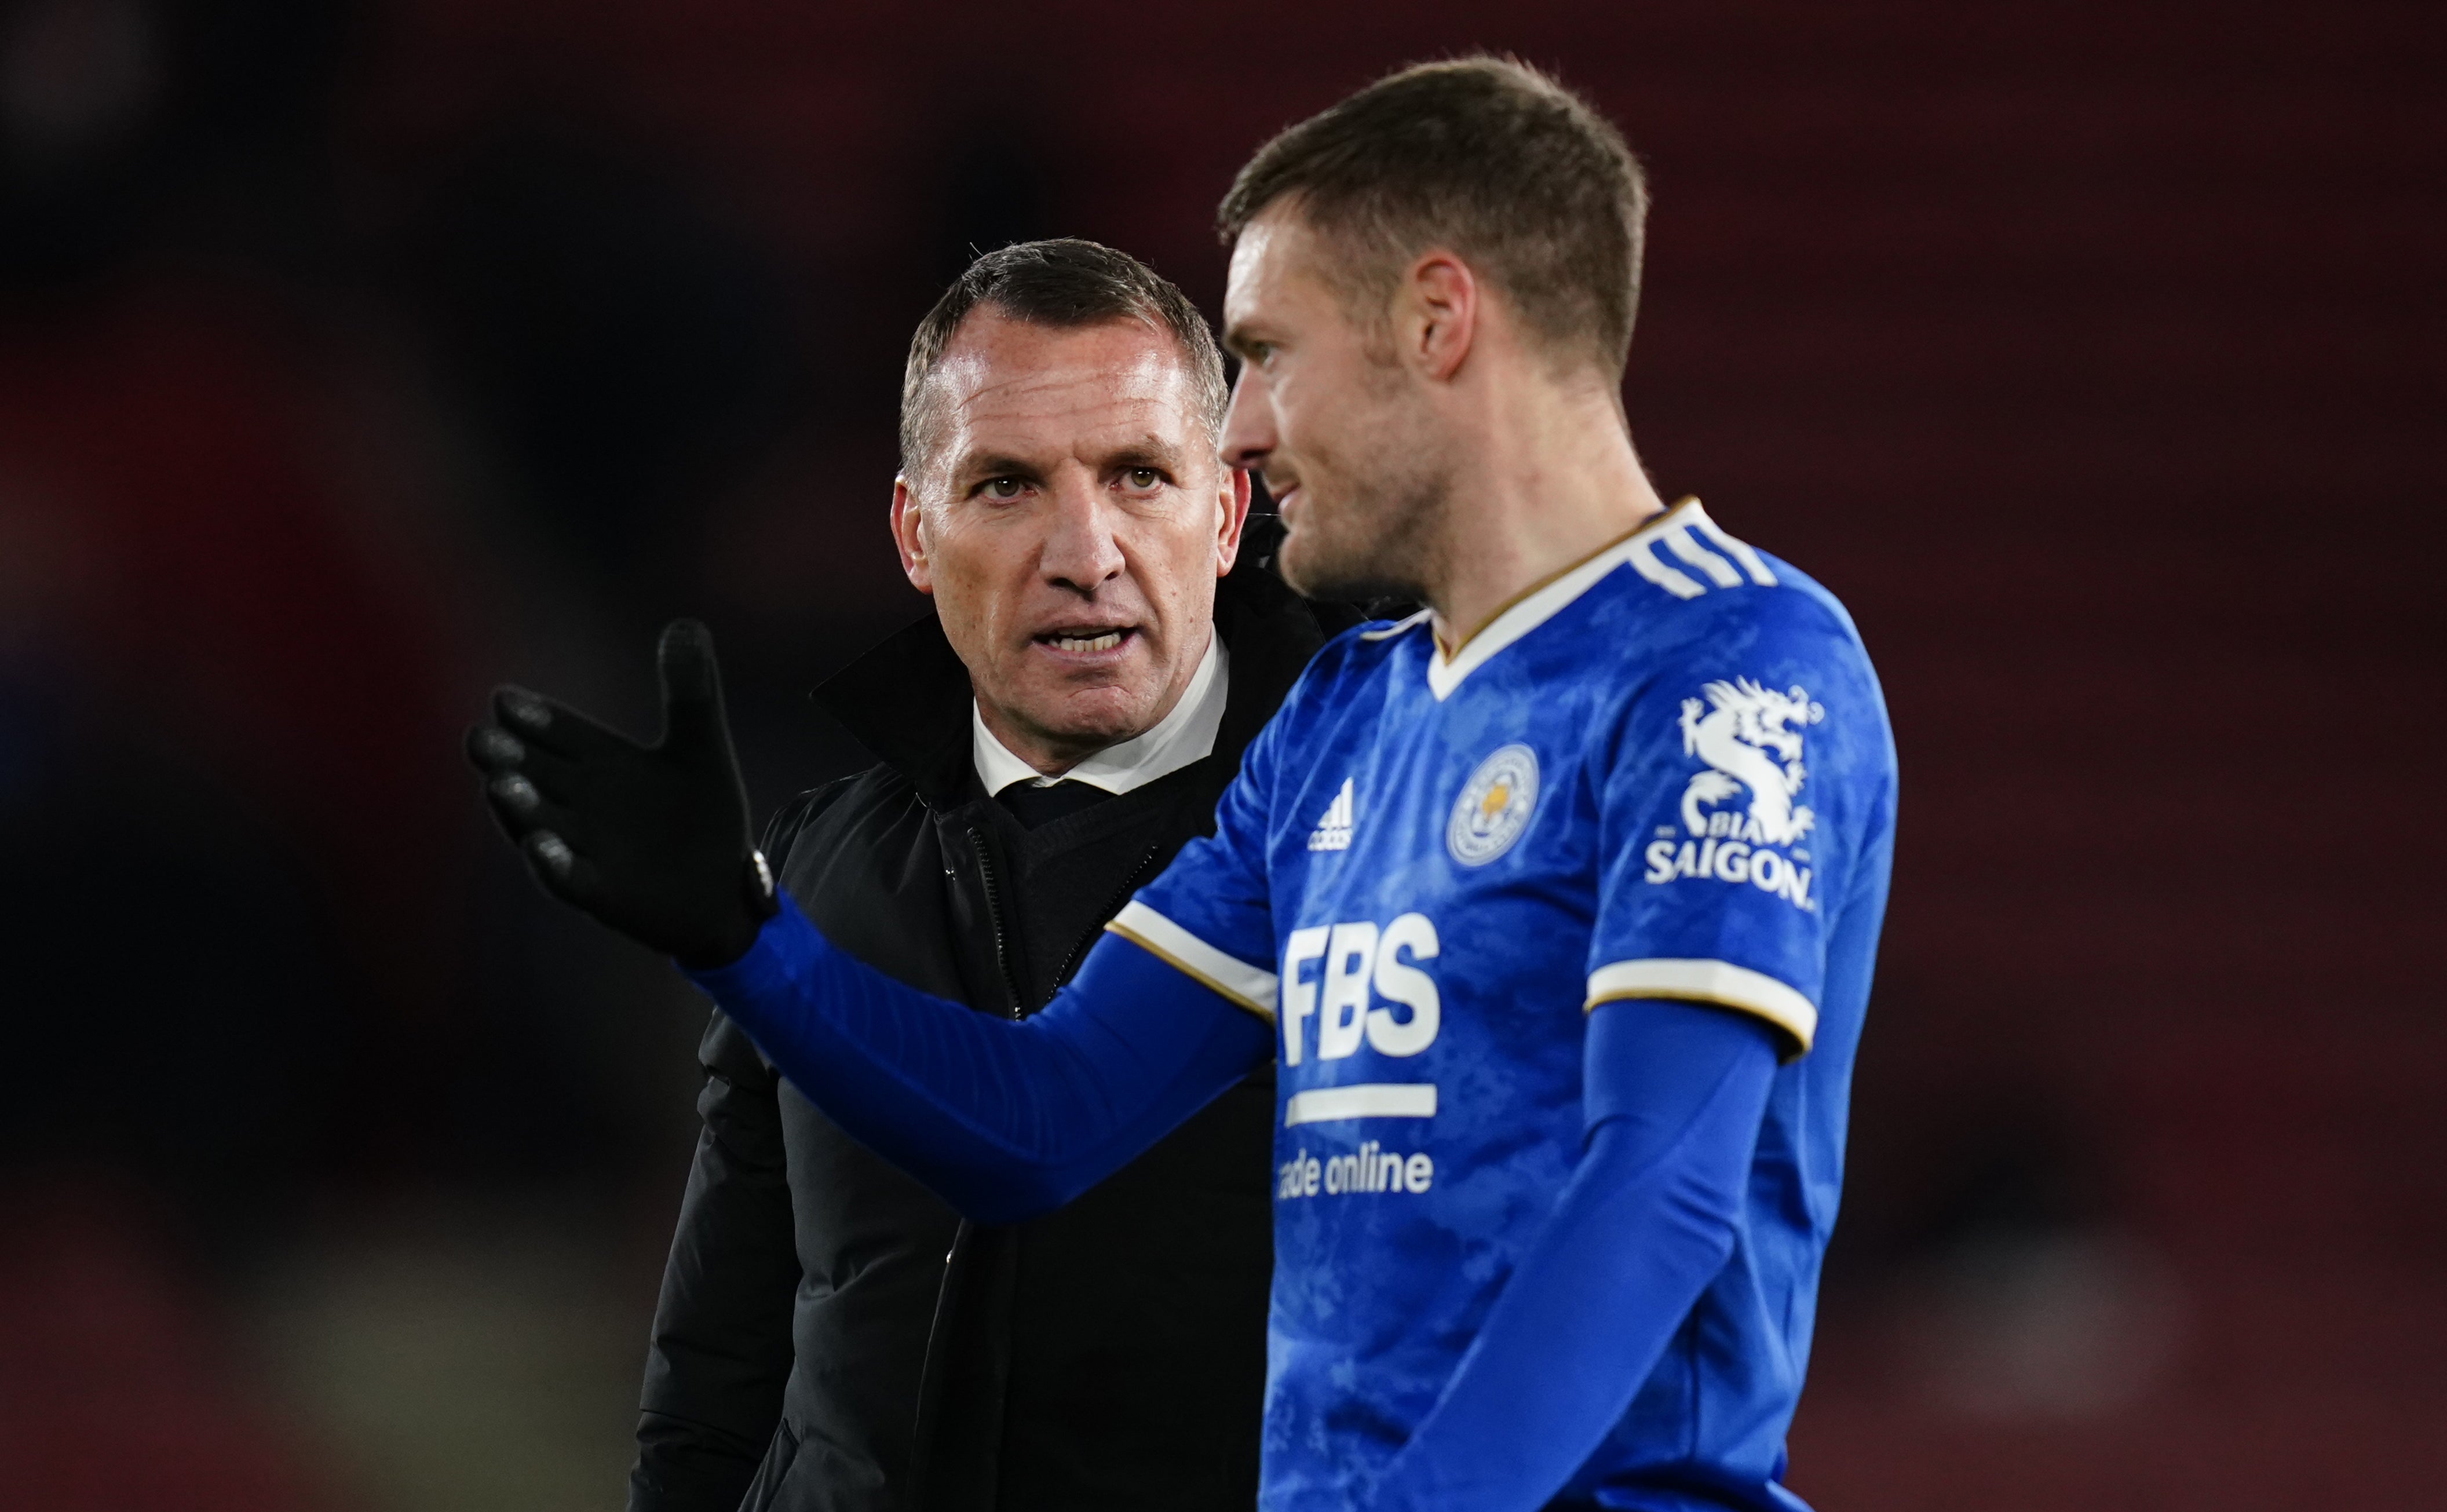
(1556, 904)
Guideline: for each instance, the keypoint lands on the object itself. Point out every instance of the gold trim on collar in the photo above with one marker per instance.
(1651, 522)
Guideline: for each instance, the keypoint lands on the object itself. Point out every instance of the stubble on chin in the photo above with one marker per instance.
(1375, 544)
(1374, 517)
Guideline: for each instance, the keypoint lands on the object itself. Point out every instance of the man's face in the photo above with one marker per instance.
(1070, 521)
(1340, 431)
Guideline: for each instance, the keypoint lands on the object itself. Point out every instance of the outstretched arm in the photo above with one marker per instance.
(1674, 1092)
(1003, 1118)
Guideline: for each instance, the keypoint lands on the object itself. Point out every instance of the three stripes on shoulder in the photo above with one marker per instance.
(1680, 539)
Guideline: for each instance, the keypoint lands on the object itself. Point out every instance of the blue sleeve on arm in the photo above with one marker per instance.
(1673, 1093)
(1004, 1119)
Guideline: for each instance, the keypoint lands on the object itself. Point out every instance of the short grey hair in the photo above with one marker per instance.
(1063, 283)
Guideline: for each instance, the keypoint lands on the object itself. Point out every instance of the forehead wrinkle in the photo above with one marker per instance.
(1098, 452)
(1142, 373)
(987, 340)
(1066, 406)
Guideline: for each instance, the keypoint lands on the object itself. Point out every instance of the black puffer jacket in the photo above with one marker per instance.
(831, 1337)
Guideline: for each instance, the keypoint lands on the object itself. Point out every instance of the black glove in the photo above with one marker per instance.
(652, 840)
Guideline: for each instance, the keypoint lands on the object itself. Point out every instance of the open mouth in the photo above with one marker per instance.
(1087, 640)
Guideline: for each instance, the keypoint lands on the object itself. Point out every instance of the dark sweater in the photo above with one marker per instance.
(831, 1336)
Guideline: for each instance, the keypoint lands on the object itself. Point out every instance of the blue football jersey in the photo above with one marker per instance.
(1666, 773)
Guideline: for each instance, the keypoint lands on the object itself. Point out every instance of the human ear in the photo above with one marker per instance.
(909, 535)
(1234, 498)
(1436, 312)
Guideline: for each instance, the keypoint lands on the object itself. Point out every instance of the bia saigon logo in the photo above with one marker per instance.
(1494, 807)
(1743, 732)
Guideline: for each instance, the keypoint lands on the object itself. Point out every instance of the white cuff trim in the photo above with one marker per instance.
(1718, 982)
(1247, 985)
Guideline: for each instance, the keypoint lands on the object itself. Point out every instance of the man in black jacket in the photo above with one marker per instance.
(831, 1337)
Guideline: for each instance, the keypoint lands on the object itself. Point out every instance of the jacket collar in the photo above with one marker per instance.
(908, 699)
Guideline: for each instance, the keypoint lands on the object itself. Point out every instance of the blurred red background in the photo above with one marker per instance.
(353, 358)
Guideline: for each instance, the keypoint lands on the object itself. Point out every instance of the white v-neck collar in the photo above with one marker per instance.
(1543, 601)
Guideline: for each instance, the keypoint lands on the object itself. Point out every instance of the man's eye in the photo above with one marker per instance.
(1002, 490)
(1143, 478)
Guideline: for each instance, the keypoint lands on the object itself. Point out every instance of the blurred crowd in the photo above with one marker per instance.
(314, 422)
(355, 357)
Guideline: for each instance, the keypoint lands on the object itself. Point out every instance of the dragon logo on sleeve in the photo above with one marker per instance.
(1743, 732)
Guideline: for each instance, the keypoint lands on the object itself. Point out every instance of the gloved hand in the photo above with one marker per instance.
(650, 839)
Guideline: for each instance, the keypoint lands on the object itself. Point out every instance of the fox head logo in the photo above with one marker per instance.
(1743, 734)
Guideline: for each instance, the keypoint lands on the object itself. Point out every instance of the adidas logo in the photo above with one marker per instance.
(1332, 830)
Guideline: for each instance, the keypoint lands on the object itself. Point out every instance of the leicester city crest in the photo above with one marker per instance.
(1494, 807)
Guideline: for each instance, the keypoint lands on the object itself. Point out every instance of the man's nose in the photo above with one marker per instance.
(1249, 425)
(1080, 550)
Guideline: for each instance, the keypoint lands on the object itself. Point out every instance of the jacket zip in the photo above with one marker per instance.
(993, 921)
(1114, 906)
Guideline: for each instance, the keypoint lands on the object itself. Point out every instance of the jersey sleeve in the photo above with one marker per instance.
(1738, 785)
(1209, 915)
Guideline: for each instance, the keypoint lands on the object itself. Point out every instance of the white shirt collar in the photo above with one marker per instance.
(1185, 735)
